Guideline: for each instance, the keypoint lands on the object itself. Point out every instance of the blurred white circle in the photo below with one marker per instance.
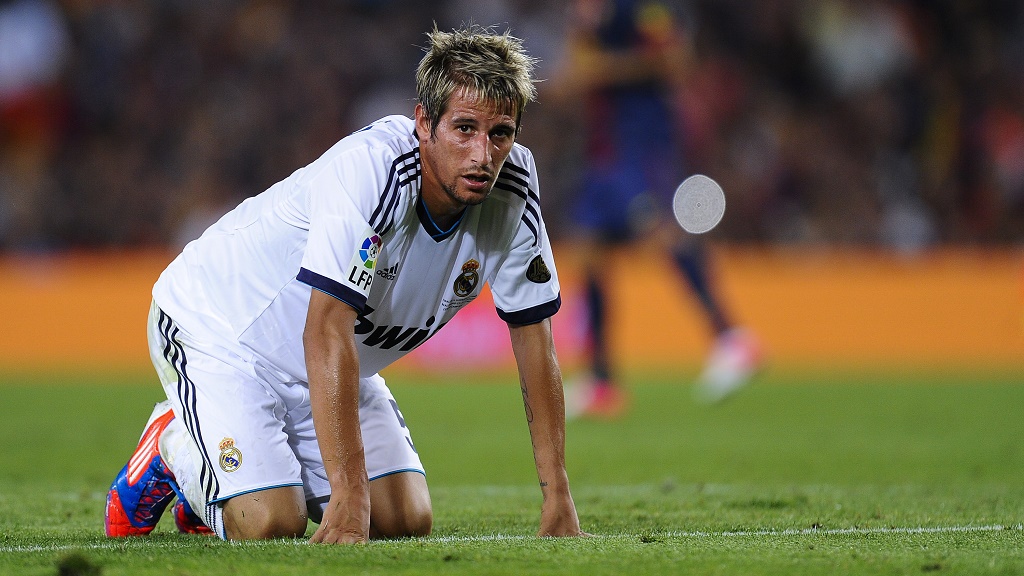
(698, 204)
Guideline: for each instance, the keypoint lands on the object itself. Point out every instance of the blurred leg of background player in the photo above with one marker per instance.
(626, 62)
(735, 354)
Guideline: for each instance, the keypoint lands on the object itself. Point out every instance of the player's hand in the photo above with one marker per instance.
(558, 518)
(345, 521)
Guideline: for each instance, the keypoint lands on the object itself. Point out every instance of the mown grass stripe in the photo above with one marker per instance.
(896, 530)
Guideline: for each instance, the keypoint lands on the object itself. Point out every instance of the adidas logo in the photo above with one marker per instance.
(388, 273)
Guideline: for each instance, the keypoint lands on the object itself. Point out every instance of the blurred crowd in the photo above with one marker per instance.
(895, 123)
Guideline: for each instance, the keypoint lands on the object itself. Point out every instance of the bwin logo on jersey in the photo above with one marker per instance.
(467, 281)
(387, 337)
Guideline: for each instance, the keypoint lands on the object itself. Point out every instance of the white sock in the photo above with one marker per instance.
(182, 456)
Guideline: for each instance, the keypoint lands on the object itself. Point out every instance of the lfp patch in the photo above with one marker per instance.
(369, 251)
(364, 261)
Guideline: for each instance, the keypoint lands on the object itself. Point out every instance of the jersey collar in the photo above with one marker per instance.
(430, 226)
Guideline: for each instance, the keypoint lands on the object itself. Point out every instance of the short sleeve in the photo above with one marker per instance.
(342, 249)
(525, 287)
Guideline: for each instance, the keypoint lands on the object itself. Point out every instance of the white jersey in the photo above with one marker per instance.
(352, 225)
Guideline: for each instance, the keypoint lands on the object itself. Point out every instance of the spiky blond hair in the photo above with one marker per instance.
(494, 67)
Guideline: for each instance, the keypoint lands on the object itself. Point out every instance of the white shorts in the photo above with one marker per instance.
(254, 429)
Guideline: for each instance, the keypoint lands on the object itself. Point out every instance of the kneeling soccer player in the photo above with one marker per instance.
(268, 332)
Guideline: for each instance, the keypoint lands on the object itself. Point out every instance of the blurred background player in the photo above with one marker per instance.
(627, 61)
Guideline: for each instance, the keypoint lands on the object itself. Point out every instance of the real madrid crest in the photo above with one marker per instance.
(230, 456)
(467, 281)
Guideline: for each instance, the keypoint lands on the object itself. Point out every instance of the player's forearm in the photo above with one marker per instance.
(335, 404)
(332, 366)
(545, 411)
(541, 384)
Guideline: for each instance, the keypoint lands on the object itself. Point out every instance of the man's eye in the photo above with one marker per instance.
(465, 129)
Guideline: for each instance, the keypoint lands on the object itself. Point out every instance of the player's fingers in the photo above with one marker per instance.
(343, 538)
(322, 536)
(564, 533)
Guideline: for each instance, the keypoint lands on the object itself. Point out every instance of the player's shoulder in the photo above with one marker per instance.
(391, 134)
(516, 183)
(371, 152)
(520, 161)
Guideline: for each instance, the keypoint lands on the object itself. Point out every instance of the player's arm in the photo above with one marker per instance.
(541, 382)
(332, 364)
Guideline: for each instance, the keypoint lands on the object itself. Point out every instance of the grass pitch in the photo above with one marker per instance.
(800, 474)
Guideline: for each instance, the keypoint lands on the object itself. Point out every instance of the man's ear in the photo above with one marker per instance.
(422, 122)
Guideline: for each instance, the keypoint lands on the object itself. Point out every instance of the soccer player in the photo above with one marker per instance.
(268, 332)
(627, 61)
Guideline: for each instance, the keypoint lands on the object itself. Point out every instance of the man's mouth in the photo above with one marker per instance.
(477, 181)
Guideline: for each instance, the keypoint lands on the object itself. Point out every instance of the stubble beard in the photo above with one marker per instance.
(468, 199)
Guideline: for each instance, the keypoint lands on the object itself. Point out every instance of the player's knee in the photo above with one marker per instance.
(266, 514)
(400, 506)
(409, 519)
(265, 526)
(419, 519)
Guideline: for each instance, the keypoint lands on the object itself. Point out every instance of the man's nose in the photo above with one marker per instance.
(481, 150)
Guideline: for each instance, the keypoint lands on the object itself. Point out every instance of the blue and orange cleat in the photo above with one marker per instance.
(145, 486)
(187, 521)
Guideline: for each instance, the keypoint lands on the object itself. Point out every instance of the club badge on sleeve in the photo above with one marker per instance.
(537, 272)
(360, 273)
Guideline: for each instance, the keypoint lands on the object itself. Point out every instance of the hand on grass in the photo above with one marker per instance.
(558, 518)
(344, 522)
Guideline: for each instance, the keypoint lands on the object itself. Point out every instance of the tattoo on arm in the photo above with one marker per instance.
(526, 403)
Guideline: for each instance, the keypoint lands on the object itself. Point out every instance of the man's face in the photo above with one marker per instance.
(462, 157)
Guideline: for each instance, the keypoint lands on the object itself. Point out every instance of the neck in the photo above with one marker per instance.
(443, 211)
(438, 228)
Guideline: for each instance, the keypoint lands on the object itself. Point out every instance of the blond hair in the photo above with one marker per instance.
(494, 67)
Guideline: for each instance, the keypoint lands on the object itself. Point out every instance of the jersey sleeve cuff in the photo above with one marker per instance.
(332, 288)
(532, 315)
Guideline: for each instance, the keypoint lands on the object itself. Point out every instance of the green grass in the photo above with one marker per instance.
(801, 474)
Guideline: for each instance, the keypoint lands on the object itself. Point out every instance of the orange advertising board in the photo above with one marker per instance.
(810, 307)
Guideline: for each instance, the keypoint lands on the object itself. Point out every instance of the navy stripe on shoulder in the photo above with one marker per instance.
(332, 288)
(407, 175)
(522, 182)
(515, 168)
(502, 185)
(389, 196)
(511, 181)
(531, 315)
(530, 225)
